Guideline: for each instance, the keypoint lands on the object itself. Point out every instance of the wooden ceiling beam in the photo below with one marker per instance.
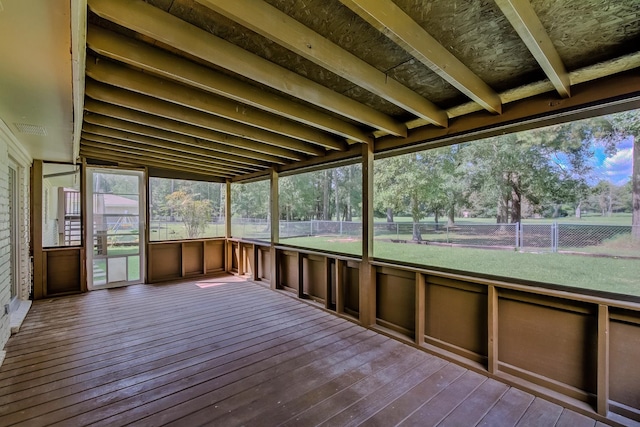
(270, 22)
(160, 146)
(524, 20)
(172, 130)
(111, 73)
(263, 141)
(390, 20)
(154, 60)
(143, 155)
(114, 156)
(153, 87)
(176, 140)
(153, 22)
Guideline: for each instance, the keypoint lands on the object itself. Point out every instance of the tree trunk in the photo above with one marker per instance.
(635, 177)
(451, 220)
(415, 214)
(325, 195)
(516, 207)
(335, 181)
(390, 225)
(502, 216)
(579, 210)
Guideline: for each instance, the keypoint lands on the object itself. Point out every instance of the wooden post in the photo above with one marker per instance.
(603, 360)
(36, 229)
(327, 283)
(367, 272)
(339, 287)
(492, 323)
(227, 227)
(420, 308)
(275, 228)
(87, 244)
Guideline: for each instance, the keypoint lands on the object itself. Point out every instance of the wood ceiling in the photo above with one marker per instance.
(229, 89)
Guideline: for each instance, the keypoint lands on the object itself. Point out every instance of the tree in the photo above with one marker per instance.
(195, 214)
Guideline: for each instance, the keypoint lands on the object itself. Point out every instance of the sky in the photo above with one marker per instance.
(617, 168)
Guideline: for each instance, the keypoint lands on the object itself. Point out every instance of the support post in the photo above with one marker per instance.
(36, 230)
(492, 323)
(603, 360)
(275, 227)
(367, 271)
(339, 286)
(420, 308)
(227, 227)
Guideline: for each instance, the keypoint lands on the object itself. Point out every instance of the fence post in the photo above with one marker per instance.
(553, 237)
(397, 231)
(517, 227)
(447, 233)
(341, 228)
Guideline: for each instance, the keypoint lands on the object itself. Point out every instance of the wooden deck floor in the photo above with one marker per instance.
(227, 352)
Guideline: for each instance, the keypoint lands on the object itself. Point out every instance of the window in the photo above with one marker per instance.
(323, 209)
(183, 209)
(61, 205)
(552, 205)
(250, 209)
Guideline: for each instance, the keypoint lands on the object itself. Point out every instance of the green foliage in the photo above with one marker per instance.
(195, 214)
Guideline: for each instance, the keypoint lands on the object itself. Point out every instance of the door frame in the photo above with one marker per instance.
(142, 213)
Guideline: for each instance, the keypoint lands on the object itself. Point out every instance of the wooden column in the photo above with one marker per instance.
(420, 308)
(227, 227)
(339, 287)
(603, 360)
(367, 272)
(492, 322)
(36, 229)
(275, 228)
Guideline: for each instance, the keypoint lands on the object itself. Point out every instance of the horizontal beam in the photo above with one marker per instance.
(184, 133)
(159, 25)
(263, 141)
(166, 148)
(144, 152)
(143, 83)
(174, 140)
(151, 59)
(273, 24)
(112, 156)
(609, 95)
(524, 20)
(390, 20)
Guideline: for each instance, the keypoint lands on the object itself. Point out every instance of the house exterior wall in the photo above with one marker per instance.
(11, 152)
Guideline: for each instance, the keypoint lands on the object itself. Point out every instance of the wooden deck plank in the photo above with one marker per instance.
(572, 419)
(398, 409)
(436, 409)
(509, 410)
(229, 352)
(540, 413)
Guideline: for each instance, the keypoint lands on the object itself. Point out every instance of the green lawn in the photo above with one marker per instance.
(607, 274)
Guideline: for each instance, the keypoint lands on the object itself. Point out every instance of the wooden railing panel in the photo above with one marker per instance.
(456, 314)
(165, 262)
(264, 263)
(553, 343)
(624, 348)
(288, 265)
(188, 258)
(314, 277)
(192, 258)
(395, 300)
(351, 288)
(214, 256)
(63, 270)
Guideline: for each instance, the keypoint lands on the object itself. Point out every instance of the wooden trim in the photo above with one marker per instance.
(275, 226)
(367, 271)
(340, 288)
(300, 264)
(603, 361)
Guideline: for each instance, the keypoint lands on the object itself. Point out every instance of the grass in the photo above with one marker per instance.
(605, 274)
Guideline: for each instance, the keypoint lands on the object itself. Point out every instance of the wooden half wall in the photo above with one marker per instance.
(575, 349)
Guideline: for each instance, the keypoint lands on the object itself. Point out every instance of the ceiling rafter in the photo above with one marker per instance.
(180, 141)
(188, 134)
(145, 19)
(390, 20)
(164, 64)
(97, 152)
(269, 22)
(135, 81)
(524, 20)
(263, 141)
(165, 147)
(131, 84)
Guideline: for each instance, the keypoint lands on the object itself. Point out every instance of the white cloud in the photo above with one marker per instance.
(618, 167)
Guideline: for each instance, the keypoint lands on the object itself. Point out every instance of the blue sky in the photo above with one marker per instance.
(616, 168)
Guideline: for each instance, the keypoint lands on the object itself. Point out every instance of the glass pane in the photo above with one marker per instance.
(117, 269)
(250, 210)
(182, 209)
(61, 205)
(552, 205)
(323, 209)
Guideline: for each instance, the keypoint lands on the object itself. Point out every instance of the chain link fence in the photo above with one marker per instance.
(594, 239)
